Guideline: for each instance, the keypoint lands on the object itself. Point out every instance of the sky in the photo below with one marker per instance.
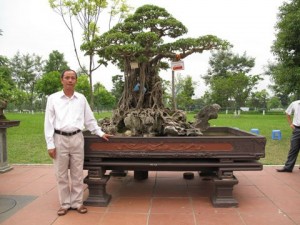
(32, 27)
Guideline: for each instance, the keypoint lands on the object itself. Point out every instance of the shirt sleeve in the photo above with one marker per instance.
(49, 124)
(90, 122)
(290, 109)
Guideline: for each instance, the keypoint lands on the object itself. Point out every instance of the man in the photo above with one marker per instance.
(67, 114)
(294, 108)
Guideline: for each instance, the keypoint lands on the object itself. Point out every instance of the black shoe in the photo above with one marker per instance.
(284, 170)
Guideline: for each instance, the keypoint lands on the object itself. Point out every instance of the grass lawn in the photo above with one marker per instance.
(26, 143)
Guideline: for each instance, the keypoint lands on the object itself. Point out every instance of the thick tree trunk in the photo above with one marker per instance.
(141, 111)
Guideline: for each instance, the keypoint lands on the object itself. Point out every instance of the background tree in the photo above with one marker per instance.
(5, 74)
(138, 47)
(87, 14)
(49, 83)
(285, 71)
(7, 86)
(220, 92)
(56, 62)
(258, 100)
(229, 78)
(26, 70)
(118, 86)
(185, 91)
(82, 85)
(199, 103)
(103, 98)
(167, 93)
(274, 103)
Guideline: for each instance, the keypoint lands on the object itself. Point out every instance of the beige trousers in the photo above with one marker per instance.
(68, 166)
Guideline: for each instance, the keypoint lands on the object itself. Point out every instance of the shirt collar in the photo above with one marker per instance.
(62, 94)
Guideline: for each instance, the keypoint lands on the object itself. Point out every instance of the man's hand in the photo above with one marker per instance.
(106, 136)
(52, 153)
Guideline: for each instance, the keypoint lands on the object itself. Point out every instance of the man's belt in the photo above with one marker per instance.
(66, 133)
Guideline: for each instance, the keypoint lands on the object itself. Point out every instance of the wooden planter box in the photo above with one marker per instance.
(219, 152)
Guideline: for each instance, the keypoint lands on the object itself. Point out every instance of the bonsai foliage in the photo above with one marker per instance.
(141, 46)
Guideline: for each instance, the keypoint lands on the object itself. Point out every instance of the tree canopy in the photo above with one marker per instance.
(286, 70)
(230, 79)
(7, 86)
(56, 62)
(26, 70)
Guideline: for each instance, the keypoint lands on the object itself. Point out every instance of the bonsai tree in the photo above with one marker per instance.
(141, 46)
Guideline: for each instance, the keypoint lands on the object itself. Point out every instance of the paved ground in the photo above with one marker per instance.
(28, 196)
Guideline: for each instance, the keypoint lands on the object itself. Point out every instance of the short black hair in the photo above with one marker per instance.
(63, 73)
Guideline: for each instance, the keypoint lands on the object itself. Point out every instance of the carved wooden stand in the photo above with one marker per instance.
(96, 181)
(222, 195)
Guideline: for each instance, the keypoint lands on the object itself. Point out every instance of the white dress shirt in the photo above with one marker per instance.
(294, 108)
(68, 115)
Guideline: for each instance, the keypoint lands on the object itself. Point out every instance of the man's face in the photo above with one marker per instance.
(69, 80)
